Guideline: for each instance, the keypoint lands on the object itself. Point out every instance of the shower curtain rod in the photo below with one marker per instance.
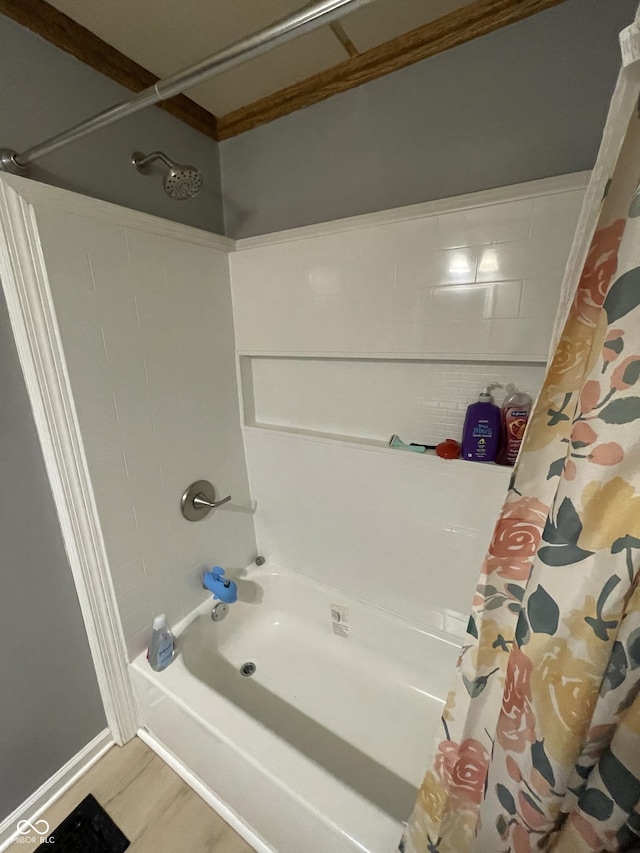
(309, 18)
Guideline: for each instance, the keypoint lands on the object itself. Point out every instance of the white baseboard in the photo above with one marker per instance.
(234, 821)
(55, 786)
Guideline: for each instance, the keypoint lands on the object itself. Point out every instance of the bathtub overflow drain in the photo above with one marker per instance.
(247, 669)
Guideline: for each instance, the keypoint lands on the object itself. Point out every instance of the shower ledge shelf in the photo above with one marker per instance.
(429, 457)
(484, 357)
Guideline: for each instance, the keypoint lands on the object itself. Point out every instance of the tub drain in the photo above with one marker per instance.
(247, 669)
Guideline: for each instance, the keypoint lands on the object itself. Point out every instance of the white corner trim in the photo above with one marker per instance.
(55, 786)
(514, 192)
(24, 279)
(35, 192)
(630, 43)
(227, 814)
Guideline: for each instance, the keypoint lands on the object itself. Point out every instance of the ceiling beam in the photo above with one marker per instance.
(470, 22)
(63, 32)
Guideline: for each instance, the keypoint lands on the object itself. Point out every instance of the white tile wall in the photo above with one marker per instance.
(403, 531)
(147, 330)
(371, 399)
(470, 294)
(476, 282)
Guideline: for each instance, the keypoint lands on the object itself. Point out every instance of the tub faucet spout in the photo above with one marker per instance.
(222, 588)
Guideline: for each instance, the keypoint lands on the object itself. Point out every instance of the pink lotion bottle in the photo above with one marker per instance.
(514, 417)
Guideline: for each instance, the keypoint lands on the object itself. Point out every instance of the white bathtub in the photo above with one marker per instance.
(323, 748)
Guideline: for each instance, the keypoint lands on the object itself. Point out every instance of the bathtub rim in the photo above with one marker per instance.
(273, 569)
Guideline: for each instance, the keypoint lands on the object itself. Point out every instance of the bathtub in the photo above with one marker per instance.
(322, 749)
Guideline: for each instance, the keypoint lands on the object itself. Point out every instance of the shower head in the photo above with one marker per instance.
(180, 182)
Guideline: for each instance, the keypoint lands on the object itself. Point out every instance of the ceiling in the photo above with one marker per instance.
(165, 36)
(137, 43)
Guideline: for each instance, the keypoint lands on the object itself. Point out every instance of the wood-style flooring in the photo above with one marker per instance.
(156, 810)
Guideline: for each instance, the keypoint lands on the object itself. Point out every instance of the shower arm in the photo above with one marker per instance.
(310, 17)
(141, 162)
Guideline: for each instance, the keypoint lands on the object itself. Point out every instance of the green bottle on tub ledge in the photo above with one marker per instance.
(492, 434)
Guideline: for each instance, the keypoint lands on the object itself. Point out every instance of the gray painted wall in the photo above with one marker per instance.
(526, 102)
(44, 90)
(49, 702)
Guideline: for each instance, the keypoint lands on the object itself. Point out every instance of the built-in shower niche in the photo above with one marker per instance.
(393, 322)
(366, 400)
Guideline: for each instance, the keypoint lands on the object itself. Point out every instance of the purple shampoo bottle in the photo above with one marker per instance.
(481, 432)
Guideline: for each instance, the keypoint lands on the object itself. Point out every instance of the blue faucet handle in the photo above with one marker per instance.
(222, 589)
(212, 579)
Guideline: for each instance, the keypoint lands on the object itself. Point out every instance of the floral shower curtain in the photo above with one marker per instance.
(540, 741)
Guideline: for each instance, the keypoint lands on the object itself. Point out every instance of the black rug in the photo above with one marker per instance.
(88, 829)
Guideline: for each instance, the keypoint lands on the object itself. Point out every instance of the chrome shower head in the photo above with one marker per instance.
(180, 182)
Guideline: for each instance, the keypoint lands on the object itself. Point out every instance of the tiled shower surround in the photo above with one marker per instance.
(345, 333)
(392, 323)
(476, 283)
(146, 326)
